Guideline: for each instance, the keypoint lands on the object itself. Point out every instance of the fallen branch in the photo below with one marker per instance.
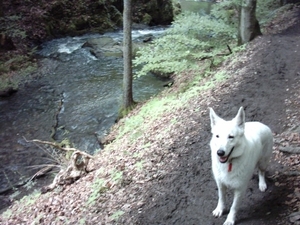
(43, 171)
(76, 168)
(56, 145)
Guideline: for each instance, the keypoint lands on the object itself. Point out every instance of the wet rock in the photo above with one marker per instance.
(104, 46)
(100, 42)
(148, 38)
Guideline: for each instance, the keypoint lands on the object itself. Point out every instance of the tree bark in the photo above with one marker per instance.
(127, 54)
(249, 27)
(1, 8)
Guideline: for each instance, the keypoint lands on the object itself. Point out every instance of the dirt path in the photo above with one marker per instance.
(267, 83)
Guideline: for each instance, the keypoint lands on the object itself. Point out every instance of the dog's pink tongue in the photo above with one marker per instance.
(223, 159)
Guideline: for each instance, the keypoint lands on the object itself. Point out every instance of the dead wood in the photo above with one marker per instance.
(77, 166)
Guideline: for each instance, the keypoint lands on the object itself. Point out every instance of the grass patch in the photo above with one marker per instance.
(135, 125)
(98, 187)
(116, 215)
(139, 165)
(102, 185)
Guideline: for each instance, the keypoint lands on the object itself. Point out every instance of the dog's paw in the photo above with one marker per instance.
(262, 186)
(217, 212)
(230, 218)
(228, 223)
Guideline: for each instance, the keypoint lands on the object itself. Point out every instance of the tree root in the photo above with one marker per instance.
(77, 166)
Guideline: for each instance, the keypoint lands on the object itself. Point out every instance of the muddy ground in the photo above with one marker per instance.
(175, 184)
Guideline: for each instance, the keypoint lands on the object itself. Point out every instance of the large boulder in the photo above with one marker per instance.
(103, 46)
(153, 12)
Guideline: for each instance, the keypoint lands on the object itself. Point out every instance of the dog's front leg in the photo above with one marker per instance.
(238, 194)
(221, 202)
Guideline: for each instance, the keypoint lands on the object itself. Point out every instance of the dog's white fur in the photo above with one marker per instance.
(243, 147)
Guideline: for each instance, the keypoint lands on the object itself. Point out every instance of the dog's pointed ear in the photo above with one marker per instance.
(240, 117)
(214, 118)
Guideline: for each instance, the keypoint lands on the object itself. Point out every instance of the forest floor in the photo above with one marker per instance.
(162, 174)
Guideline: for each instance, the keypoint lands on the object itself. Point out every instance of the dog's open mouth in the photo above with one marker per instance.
(224, 159)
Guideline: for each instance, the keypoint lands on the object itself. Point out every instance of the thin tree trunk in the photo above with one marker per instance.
(127, 54)
(249, 27)
(1, 8)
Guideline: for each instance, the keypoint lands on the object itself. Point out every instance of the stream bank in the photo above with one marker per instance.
(74, 96)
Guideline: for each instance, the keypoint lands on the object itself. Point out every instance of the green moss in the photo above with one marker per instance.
(15, 70)
(146, 19)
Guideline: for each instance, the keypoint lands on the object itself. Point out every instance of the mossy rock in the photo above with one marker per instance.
(146, 19)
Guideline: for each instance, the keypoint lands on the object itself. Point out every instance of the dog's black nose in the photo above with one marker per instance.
(220, 152)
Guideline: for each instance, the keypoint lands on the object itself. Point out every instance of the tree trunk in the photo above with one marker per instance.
(1, 8)
(127, 54)
(249, 27)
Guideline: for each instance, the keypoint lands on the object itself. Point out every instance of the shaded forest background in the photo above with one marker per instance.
(26, 24)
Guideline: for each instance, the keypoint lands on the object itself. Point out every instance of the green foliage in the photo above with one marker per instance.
(191, 39)
(227, 11)
(11, 28)
(116, 215)
(154, 108)
(132, 126)
(117, 175)
(82, 221)
(265, 10)
(101, 185)
(15, 194)
(98, 188)
(135, 125)
(14, 69)
(30, 199)
(123, 111)
(8, 213)
(29, 185)
(202, 7)
(139, 165)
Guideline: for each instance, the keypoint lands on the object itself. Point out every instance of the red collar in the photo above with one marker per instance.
(229, 166)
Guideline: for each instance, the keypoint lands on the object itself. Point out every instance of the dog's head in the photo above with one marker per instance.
(226, 135)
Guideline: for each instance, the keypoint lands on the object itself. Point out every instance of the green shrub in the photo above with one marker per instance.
(265, 10)
(192, 38)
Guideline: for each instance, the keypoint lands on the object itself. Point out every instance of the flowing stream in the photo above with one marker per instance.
(75, 95)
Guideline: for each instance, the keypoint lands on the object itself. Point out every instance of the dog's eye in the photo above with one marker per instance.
(217, 136)
(230, 136)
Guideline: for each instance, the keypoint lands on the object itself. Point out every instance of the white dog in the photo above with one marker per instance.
(237, 148)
